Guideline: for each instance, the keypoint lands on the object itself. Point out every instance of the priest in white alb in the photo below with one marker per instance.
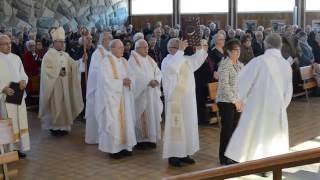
(60, 91)
(181, 136)
(11, 70)
(148, 105)
(114, 108)
(265, 90)
(91, 134)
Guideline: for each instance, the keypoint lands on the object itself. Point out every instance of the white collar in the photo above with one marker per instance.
(5, 55)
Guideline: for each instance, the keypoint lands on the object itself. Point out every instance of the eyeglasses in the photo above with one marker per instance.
(237, 49)
(144, 47)
(5, 44)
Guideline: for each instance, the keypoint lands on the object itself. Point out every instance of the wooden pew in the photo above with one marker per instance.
(308, 79)
(274, 164)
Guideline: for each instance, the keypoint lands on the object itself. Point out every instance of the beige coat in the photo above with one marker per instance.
(60, 96)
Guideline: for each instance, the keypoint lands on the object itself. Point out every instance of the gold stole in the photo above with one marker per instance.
(176, 116)
(102, 52)
(121, 114)
(21, 127)
(143, 117)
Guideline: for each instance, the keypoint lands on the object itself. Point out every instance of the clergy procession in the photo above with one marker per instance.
(133, 92)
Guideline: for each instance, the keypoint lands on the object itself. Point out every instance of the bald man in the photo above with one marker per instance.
(114, 108)
(11, 70)
(181, 137)
(148, 105)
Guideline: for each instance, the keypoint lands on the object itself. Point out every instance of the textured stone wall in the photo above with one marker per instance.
(44, 14)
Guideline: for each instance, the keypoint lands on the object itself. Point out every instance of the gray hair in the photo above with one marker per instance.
(2, 36)
(172, 42)
(273, 41)
(260, 28)
(113, 43)
(137, 36)
(215, 38)
(28, 43)
(102, 36)
(258, 32)
(138, 43)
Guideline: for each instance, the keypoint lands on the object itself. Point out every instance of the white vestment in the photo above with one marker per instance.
(115, 106)
(148, 105)
(60, 97)
(265, 86)
(181, 137)
(11, 70)
(91, 135)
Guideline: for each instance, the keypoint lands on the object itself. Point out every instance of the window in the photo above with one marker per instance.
(140, 7)
(265, 5)
(204, 6)
(312, 5)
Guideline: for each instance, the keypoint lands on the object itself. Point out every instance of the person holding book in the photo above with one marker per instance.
(13, 81)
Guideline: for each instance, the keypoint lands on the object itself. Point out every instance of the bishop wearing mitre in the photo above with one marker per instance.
(60, 90)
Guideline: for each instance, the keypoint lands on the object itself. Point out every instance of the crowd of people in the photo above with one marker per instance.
(115, 78)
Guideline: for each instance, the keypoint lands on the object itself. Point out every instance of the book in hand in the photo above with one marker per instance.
(191, 30)
(16, 98)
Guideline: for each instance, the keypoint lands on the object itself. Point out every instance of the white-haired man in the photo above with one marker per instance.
(115, 111)
(60, 91)
(181, 137)
(258, 45)
(265, 89)
(11, 71)
(91, 134)
(148, 105)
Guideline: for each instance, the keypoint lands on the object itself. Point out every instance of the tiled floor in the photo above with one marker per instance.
(69, 158)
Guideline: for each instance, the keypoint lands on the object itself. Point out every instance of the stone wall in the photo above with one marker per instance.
(44, 14)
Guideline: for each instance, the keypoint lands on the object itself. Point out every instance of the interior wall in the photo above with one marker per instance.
(264, 19)
(140, 21)
(43, 14)
(312, 16)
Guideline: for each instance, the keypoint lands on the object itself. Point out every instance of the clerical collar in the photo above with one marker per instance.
(100, 46)
(3, 54)
(116, 58)
(139, 56)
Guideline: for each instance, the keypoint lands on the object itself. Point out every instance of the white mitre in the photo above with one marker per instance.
(58, 34)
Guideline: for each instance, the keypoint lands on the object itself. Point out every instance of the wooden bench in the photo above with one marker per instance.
(274, 164)
(213, 89)
(308, 79)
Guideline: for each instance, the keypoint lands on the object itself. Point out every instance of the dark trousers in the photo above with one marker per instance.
(84, 92)
(229, 121)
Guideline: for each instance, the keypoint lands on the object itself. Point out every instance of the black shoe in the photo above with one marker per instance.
(126, 153)
(188, 160)
(21, 155)
(230, 162)
(54, 132)
(265, 174)
(174, 161)
(115, 155)
(152, 145)
(141, 146)
(63, 132)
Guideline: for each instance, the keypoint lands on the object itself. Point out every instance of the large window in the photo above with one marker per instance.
(204, 6)
(140, 7)
(266, 5)
(313, 5)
